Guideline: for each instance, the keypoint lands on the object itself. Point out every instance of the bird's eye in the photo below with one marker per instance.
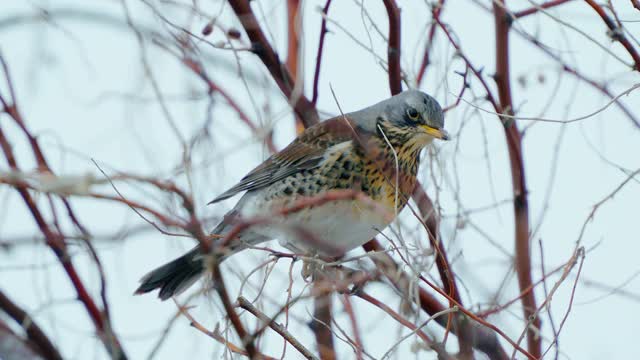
(413, 114)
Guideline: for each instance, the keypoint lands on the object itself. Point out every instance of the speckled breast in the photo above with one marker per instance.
(344, 223)
(345, 167)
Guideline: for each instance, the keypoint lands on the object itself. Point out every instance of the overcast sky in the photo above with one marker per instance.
(83, 88)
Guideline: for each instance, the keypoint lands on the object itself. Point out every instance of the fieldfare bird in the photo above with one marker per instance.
(375, 150)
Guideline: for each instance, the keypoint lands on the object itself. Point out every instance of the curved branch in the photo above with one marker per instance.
(323, 33)
(54, 239)
(483, 334)
(426, 59)
(305, 110)
(35, 334)
(520, 203)
(616, 33)
(432, 224)
(393, 51)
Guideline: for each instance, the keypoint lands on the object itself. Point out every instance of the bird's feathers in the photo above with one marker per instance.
(304, 153)
(350, 151)
(307, 151)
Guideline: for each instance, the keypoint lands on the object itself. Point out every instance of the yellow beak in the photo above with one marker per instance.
(436, 133)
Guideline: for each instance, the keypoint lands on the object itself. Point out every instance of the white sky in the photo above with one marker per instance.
(82, 88)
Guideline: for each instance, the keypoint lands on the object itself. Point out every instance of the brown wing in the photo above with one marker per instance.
(304, 153)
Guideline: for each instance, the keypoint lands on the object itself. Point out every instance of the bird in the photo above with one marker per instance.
(375, 151)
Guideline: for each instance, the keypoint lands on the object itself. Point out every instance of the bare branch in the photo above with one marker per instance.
(247, 305)
(34, 333)
(393, 51)
(261, 47)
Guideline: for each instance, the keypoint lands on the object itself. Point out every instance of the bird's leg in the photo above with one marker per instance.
(315, 263)
(344, 279)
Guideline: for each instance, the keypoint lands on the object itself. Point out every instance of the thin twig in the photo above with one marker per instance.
(323, 33)
(54, 239)
(215, 334)
(247, 341)
(483, 340)
(616, 33)
(534, 9)
(561, 121)
(247, 305)
(426, 58)
(348, 308)
(581, 255)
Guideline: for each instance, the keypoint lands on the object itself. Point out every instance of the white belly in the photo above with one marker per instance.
(329, 229)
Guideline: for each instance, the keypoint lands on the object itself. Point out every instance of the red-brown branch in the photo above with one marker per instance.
(534, 9)
(432, 224)
(247, 341)
(55, 240)
(520, 203)
(437, 347)
(479, 320)
(199, 70)
(426, 59)
(574, 72)
(393, 51)
(293, 7)
(616, 33)
(397, 317)
(322, 321)
(483, 339)
(305, 110)
(193, 226)
(430, 218)
(348, 308)
(323, 33)
(463, 88)
(35, 334)
(293, 48)
(477, 72)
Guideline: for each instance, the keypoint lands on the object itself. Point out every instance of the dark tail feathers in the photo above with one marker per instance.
(174, 277)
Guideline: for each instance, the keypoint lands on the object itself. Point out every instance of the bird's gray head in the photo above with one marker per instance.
(410, 113)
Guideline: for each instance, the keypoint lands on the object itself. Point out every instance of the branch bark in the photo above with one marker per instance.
(35, 334)
(245, 339)
(305, 110)
(432, 223)
(616, 33)
(322, 319)
(247, 305)
(393, 51)
(483, 336)
(426, 59)
(323, 33)
(534, 9)
(53, 238)
(520, 203)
